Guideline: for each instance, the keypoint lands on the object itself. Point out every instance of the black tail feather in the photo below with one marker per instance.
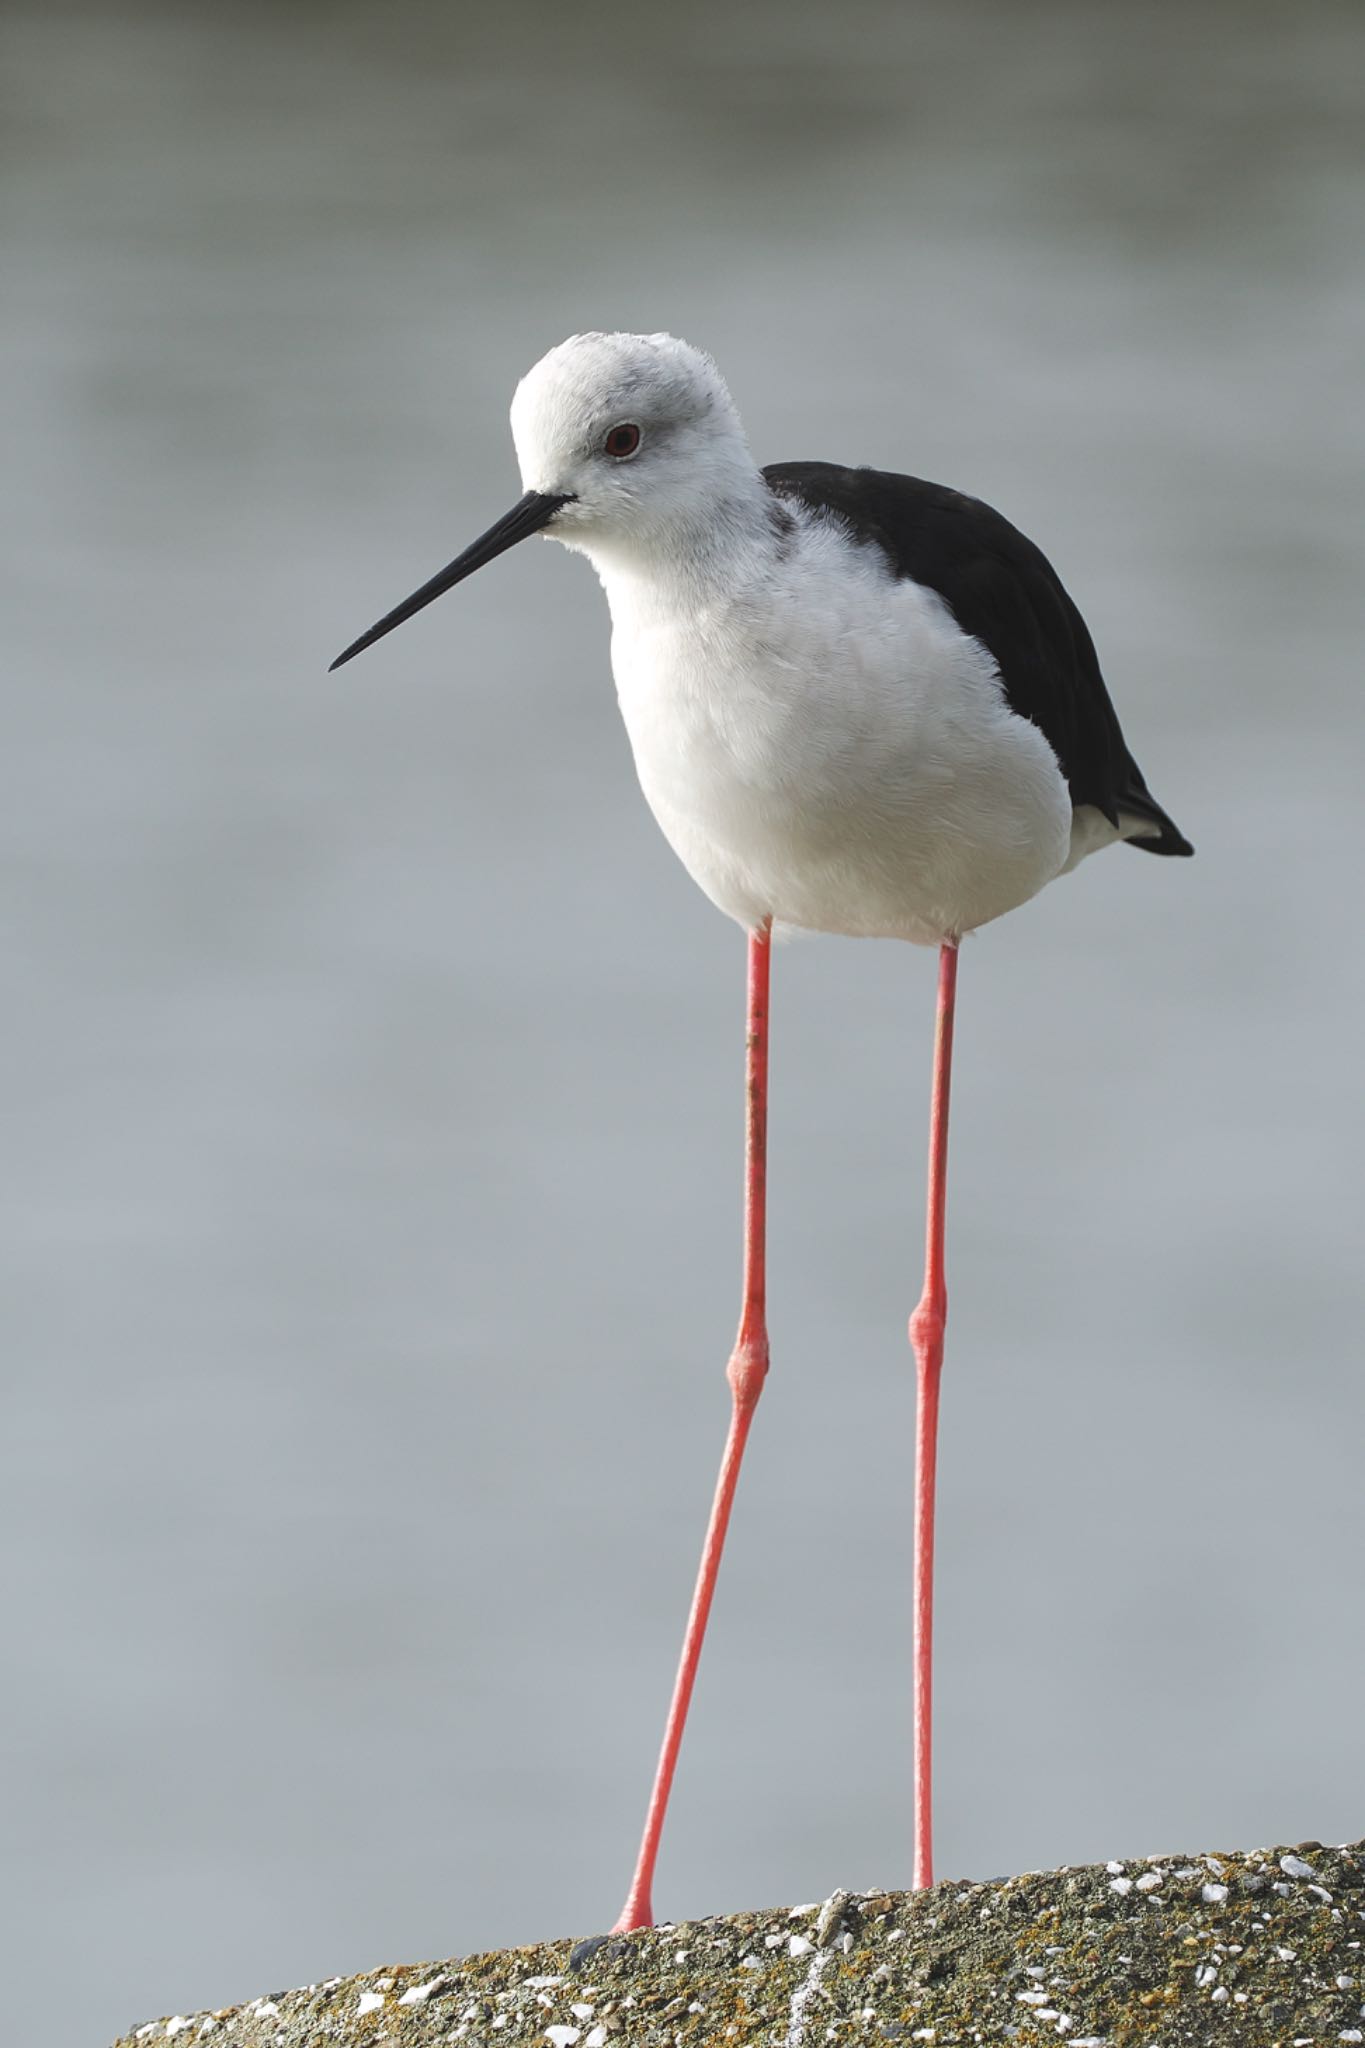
(1165, 837)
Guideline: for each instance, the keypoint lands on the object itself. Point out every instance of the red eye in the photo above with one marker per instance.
(622, 441)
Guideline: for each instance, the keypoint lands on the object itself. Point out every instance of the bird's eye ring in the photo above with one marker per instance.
(622, 441)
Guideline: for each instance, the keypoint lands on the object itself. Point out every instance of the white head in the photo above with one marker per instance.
(636, 432)
(627, 442)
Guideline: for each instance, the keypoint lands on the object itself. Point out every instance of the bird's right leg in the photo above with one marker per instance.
(746, 1372)
(926, 1335)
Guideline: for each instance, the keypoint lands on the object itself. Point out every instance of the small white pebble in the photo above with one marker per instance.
(370, 2001)
(563, 2037)
(597, 2038)
(420, 1993)
(1150, 1881)
(267, 2006)
(1214, 1894)
(1030, 1997)
(798, 1945)
(1115, 1868)
(920, 2033)
(174, 2026)
(1351, 2034)
(1322, 1893)
(773, 1940)
(1205, 1974)
(846, 1942)
(1047, 2012)
(1212, 1863)
(680, 1955)
(1283, 1890)
(1294, 1866)
(1121, 1885)
(380, 1984)
(530, 1983)
(1345, 1983)
(1220, 1996)
(1185, 1870)
(582, 2011)
(751, 1962)
(1287, 1955)
(1036, 1970)
(1239, 1998)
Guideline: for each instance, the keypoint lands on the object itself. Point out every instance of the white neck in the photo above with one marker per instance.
(693, 558)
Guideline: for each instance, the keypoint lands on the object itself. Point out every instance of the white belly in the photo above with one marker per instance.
(874, 784)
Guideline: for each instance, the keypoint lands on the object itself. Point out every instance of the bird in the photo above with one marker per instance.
(858, 702)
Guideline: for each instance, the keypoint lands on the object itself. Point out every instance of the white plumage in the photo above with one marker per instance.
(818, 739)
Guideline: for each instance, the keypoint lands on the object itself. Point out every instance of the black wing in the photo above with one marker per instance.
(1004, 592)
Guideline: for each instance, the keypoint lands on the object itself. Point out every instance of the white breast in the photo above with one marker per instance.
(822, 744)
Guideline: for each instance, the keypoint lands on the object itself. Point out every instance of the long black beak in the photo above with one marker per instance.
(527, 516)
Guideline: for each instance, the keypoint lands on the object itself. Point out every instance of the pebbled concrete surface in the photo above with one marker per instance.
(1262, 1949)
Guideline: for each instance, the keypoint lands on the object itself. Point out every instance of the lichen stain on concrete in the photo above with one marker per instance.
(1261, 1949)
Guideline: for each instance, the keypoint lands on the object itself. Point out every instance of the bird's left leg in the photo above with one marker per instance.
(746, 1373)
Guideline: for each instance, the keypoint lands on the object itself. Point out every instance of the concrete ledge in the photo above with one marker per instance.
(1263, 1950)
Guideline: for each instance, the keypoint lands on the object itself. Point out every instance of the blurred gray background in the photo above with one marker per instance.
(373, 1106)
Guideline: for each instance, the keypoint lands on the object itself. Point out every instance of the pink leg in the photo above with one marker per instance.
(746, 1371)
(926, 1334)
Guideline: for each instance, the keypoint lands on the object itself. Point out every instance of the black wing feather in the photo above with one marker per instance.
(1004, 592)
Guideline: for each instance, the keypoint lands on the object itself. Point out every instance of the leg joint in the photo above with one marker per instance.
(928, 1323)
(748, 1368)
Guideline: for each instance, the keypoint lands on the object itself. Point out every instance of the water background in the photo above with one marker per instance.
(372, 1107)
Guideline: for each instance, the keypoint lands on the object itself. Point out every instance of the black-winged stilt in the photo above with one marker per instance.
(858, 703)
